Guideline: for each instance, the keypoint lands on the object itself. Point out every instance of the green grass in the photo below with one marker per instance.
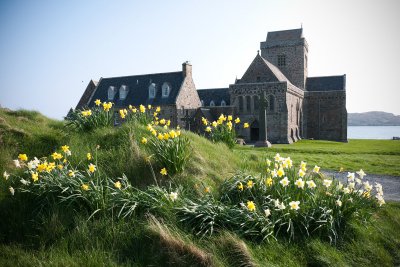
(59, 236)
(373, 156)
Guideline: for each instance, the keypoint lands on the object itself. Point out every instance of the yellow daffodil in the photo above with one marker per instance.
(251, 206)
(60, 167)
(237, 120)
(92, 168)
(160, 136)
(71, 173)
(154, 132)
(35, 176)
(207, 190)
(341, 169)
(280, 172)
(65, 148)
(107, 106)
(134, 110)
(97, 102)
(158, 109)
(250, 184)
(85, 187)
(22, 157)
(269, 181)
(89, 156)
(117, 185)
(208, 129)
(51, 166)
(214, 124)
(230, 117)
(122, 114)
(144, 140)
(246, 125)
(142, 108)
(163, 171)
(56, 156)
(240, 186)
(162, 121)
(178, 133)
(168, 123)
(166, 136)
(149, 106)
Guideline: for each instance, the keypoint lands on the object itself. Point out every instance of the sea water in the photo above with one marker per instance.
(373, 132)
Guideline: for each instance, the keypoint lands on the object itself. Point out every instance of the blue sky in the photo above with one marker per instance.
(49, 50)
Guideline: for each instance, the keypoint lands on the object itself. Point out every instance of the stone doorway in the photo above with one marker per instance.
(254, 131)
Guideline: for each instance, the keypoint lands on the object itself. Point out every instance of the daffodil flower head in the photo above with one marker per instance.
(294, 205)
(284, 182)
(251, 206)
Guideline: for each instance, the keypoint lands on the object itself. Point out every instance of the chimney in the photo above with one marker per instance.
(187, 69)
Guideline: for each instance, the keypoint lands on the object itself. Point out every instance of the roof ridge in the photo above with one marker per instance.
(148, 74)
(275, 70)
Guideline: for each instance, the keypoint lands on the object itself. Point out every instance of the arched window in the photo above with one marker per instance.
(202, 103)
(248, 103)
(152, 90)
(212, 104)
(241, 104)
(123, 92)
(256, 101)
(165, 90)
(271, 100)
(111, 92)
(223, 103)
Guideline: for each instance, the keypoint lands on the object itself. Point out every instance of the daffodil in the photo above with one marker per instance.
(65, 148)
(214, 124)
(158, 109)
(277, 157)
(237, 120)
(6, 175)
(268, 162)
(245, 125)
(35, 176)
(338, 203)
(288, 162)
(142, 108)
(230, 117)
(117, 185)
(56, 156)
(267, 212)
(71, 173)
(12, 191)
(299, 183)
(42, 167)
(351, 185)
(281, 172)
(173, 196)
(311, 184)
(303, 166)
(92, 168)
(122, 114)
(97, 102)
(294, 205)
(89, 156)
(316, 169)
(269, 181)
(250, 184)
(240, 186)
(144, 140)
(163, 171)
(350, 176)
(367, 186)
(284, 182)
(22, 157)
(60, 167)
(85, 187)
(162, 121)
(327, 183)
(207, 189)
(301, 173)
(149, 106)
(208, 129)
(160, 136)
(361, 173)
(251, 206)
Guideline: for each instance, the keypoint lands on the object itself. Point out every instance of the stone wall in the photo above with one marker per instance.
(326, 115)
(277, 111)
(294, 104)
(296, 53)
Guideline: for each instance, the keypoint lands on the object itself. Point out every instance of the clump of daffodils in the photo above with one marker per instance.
(223, 129)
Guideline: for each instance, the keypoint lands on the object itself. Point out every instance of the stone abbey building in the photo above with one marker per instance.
(298, 106)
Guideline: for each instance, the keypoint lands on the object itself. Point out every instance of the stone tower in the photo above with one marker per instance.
(288, 50)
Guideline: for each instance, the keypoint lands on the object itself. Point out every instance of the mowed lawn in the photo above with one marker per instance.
(373, 156)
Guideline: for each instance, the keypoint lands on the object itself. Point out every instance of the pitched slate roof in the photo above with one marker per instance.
(274, 69)
(138, 86)
(326, 83)
(215, 94)
(285, 35)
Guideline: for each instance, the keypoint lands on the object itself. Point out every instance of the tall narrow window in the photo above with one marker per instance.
(271, 100)
(152, 90)
(241, 105)
(212, 104)
(223, 103)
(111, 92)
(281, 60)
(202, 103)
(123, 92)
(165, 90)
(248, 103)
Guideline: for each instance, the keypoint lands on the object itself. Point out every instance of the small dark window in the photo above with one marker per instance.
(256, 101)
(271, 101)
(258, 78)
(281, 60)
(241, 103)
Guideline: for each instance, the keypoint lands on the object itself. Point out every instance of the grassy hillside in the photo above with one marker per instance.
(34, 235)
